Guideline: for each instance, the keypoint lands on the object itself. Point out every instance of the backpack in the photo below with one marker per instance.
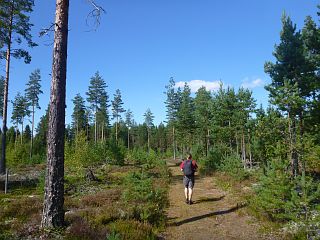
(188, 168)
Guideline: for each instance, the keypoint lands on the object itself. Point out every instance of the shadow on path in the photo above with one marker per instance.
(216, 213)
(212, 199)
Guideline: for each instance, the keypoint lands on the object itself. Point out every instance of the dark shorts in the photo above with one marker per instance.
(188, 182)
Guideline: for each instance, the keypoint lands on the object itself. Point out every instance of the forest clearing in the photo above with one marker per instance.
(78, 163)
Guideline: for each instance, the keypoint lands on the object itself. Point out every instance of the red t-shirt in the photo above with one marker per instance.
(194, 164)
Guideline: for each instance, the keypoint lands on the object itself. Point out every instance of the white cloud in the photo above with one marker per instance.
(246, 83)
(196, 84)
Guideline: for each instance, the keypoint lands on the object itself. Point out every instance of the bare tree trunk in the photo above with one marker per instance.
(243, 146)
(102, 132)
(32, 129)
(174, 143)
(208, 141)
(148, 141)
(294, 154)
(53, 213)
(249, 146)
(5, 100)
(128, 139)
(117, 130)
(95, 126)
(21, 132)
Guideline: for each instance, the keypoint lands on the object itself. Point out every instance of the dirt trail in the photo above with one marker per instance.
(215, 214)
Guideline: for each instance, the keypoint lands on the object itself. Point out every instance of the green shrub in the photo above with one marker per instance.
(214, 159)
(282, 198)
(145, 202)
(131, 230)
(232, 165)
(18, 154)
(82, 154)
(115, 154)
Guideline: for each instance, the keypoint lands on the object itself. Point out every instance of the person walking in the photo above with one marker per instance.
(188, 167)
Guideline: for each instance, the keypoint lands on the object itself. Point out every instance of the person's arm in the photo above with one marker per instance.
(195, 165)
(181, 166)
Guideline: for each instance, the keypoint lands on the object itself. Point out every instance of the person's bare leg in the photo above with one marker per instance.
(190, 194)
(186, 193)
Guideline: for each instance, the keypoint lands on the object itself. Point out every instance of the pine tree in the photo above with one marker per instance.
(20, 111)
(40, 138)
(15, 27)
(290, 76)
(32, 94)
(79, 117)
(2, 79)
(27, 133)
(311, 41)
(185, 117)
(203, 116)
(129, 123)
(148, 120)
(98, 98)
(172, 104)
(117, 109)
(53, 212)
(245, 106)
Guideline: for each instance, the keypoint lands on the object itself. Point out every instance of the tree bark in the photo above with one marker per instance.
(31, 145)
(53, 213)
(128, 139)
(174, 143)
(21, 132)
(95, 126)
(5, 99)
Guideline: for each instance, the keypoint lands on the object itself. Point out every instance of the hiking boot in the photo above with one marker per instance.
(190, 202)
(187, 201)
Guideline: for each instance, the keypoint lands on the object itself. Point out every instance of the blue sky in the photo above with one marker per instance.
(140, 44)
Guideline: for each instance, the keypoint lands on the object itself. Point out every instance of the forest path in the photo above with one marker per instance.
(215, 214)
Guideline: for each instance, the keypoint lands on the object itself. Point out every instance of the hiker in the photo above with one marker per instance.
(189, 167)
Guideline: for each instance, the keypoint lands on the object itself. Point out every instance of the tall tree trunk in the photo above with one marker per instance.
(244, 151)
(21, 132)
(174, 143)
(208, 142)
(5, 99)
(87, 128)
(292, 141)
(102, 132)
(77, 127)
(128, 139)
(32, 129)
(95, 126)
(249, 146)
(302, 143)
(148, 140)
(294, 154)
(53, 213)
(117, 130)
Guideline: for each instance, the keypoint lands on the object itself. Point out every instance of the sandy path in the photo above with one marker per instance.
(215, 214)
